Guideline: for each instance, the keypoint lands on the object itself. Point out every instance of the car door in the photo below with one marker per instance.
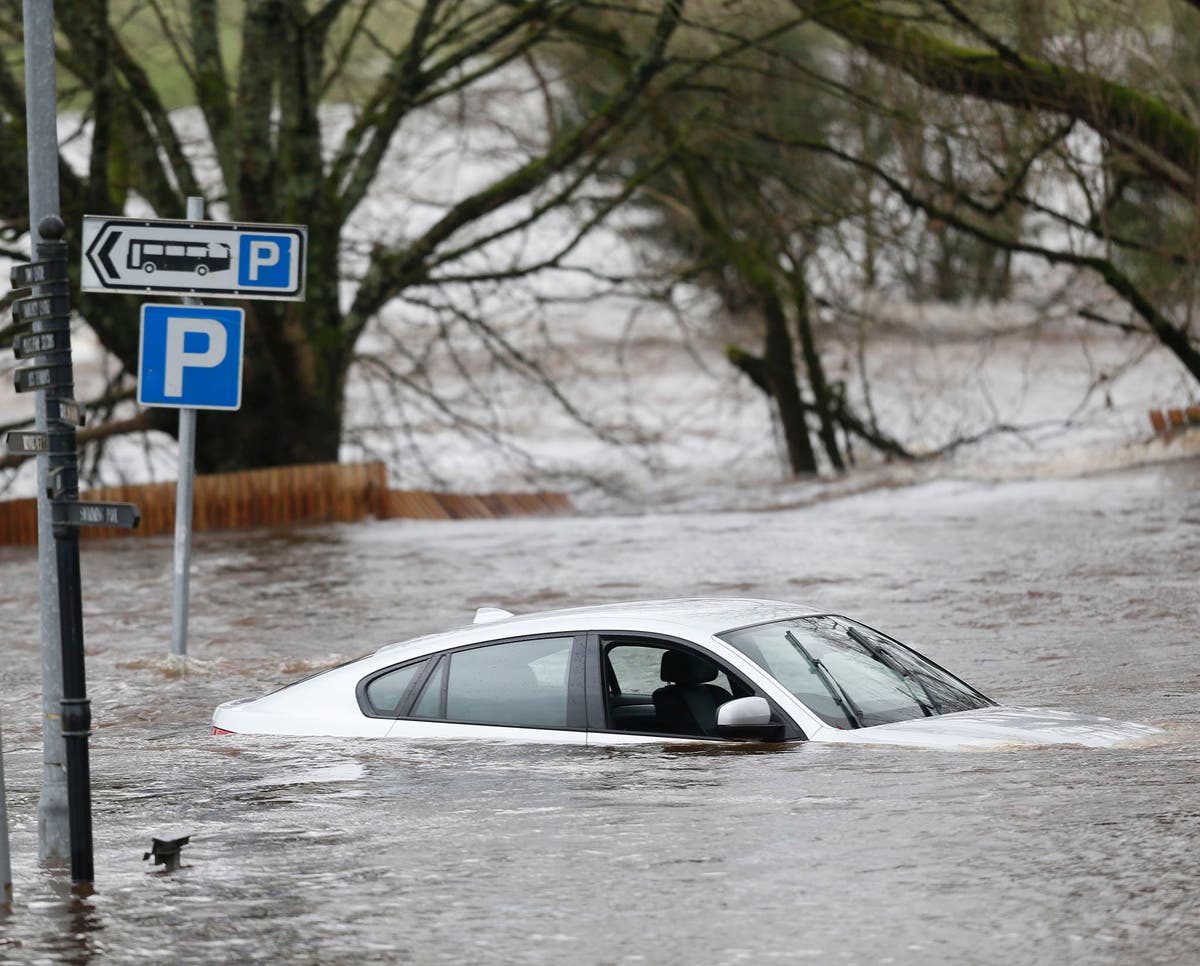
(633, 696)
(523, 689)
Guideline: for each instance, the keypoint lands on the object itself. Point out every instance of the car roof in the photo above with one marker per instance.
(699, 616)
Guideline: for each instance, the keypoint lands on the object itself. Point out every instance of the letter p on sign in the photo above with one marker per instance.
(190, 357)
(179, 358)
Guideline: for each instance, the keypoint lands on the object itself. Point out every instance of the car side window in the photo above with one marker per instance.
(658, 689)
(519, 683)
(635, 668)
(385, 692)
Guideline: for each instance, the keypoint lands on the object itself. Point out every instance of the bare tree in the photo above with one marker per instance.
(735, 205)
(271, 153)
(1111, 137)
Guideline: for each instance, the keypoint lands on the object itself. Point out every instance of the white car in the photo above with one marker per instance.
(659, 672)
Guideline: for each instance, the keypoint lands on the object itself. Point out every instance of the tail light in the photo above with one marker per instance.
(220, 731)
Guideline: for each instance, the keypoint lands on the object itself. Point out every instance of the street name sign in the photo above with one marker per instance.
(40, 308)
(25, 443)
(41, 377)
(39, 343)
(69, 412)
(56, 487)
(124, 515)
(30, 274)
(201, 258)
(190, 357)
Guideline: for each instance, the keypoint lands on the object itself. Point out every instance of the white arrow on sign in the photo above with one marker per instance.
(225, 260)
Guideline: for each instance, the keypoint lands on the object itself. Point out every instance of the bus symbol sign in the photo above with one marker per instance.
(151, 254)
(202, 258)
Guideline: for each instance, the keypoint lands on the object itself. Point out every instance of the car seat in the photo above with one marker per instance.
(688, 704)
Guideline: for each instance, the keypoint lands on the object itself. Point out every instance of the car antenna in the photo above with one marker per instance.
(485, 615)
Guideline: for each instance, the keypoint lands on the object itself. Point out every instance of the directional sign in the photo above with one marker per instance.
(190, 356)
(56, 489)
(124, 515)
(41, 377)
(39, 308)
(22, 443)
(194, 258)
(37, 273)
(69, 412)
(39, 343)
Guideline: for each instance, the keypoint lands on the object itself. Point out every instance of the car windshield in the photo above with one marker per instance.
(850, 675)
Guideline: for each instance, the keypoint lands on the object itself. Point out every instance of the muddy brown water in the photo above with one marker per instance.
(1080, 594)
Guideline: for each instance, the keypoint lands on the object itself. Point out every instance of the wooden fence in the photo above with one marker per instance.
(1167, 421)
(312, 493)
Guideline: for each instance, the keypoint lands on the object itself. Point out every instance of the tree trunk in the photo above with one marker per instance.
(822, 397)
(293, 380)
(779, 366)
(271, 429)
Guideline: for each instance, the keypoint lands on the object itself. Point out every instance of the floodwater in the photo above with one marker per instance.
(1079, 594)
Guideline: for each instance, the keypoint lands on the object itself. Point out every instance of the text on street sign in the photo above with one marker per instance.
(56, 490)
(41, 377)
(124, 515)
(40, 307)
(37, 343)
(37, 273)
(24, 443)
(69, 412)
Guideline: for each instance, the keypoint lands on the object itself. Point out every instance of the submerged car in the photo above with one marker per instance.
(659, 672)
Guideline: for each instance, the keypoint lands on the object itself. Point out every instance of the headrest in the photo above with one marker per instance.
(680, 667)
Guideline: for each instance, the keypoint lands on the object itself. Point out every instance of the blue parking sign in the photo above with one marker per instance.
(190, 356)
(266, 261)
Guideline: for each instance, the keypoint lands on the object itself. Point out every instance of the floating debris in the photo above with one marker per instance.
(167, 852)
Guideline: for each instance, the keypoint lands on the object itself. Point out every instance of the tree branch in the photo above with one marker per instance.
(142, 422)
(211, 86)
(1172, 336)
(390, 272)
(1117, 111)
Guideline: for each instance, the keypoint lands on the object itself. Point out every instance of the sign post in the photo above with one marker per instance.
(190, 356)
(174, 360)
(5, 864)
(54, 381)
(184, 507)
(185, 477)
(41, 126)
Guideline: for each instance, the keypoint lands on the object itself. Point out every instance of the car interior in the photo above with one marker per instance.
(658, 689)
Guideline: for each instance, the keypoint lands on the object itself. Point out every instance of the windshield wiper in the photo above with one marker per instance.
(889, 662)
(852, 712)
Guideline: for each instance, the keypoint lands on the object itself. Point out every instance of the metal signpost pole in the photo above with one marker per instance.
(54, 341)
(184, 489)
(5, 864)
(41, 118)
(53, 378)
(183, 528)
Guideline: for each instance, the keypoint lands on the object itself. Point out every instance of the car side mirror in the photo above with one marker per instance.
(748, 719)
